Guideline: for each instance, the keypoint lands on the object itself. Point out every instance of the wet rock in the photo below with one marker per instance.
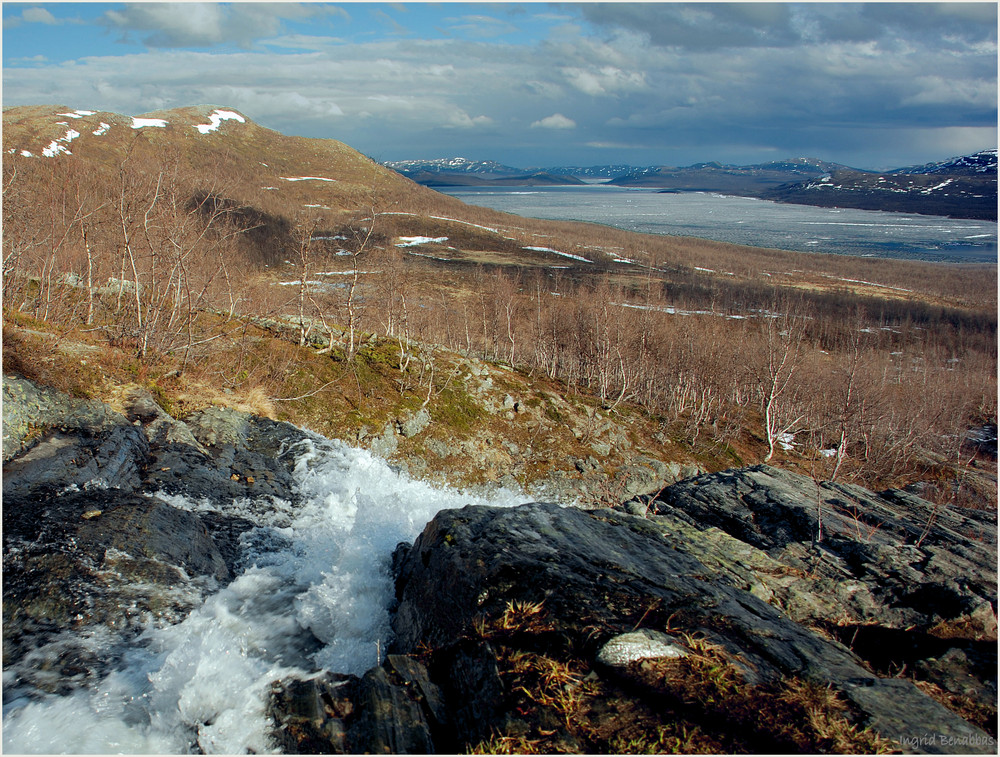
(84, 550)
(600, 574)
(99, 558)
(104, 459)
(53, 441)
(239, 455)
(310, 717)
(390, 718)
(391, 709)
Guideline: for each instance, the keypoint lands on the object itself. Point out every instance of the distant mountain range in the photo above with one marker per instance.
(960, 187)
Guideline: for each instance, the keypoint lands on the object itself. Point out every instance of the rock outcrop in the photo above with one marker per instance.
(636, 615)
(833, 554)
(749, 610)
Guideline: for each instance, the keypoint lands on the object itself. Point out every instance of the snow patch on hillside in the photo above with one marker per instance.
(306, 178)
(217, 118)
(414, 241)
(444, 218)
(139, 123)
(101, 131)
(562, 254)
(59, 145)
(77, 113)
(936, 187)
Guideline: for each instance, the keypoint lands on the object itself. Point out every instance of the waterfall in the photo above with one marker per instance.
(314, 593)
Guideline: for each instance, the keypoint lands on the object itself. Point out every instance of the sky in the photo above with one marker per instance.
(870, 85)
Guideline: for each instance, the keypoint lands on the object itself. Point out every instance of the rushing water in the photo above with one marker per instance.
(743, 220)
(315, 595)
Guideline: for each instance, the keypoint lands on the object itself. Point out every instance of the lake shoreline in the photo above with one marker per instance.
(750, 221)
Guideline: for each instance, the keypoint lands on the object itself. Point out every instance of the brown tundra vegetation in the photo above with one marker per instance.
(866, 369)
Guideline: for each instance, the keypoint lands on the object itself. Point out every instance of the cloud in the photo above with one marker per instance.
(604, 80)
(36, 15)
(842, 81)
(166, 25)
(555, 121)
(479, 27)
(727, 25)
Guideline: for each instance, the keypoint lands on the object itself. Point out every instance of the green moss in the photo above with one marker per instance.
(380, 352)
(456, 410)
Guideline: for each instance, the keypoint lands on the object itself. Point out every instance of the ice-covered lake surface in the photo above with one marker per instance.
(315, 595)
(743, 220)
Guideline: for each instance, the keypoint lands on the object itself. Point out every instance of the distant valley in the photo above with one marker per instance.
(960, 187)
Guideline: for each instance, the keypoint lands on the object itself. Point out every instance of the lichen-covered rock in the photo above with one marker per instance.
(840, 554)
(415, 423)
(30, 409)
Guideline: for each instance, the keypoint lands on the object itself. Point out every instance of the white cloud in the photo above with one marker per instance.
(605, 80)
(555, 121)
(38, 16)
(462, 120)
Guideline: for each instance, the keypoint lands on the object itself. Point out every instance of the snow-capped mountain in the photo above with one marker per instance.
(593, 172)
(980, 163)
(963, 187)
(451, 165)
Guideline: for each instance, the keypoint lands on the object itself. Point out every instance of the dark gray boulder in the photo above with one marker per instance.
(221, 454)
(603, 573)
(88, 549)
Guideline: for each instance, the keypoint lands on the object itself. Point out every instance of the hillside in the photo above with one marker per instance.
(196, 253)
(718, 177)
(273, 415)
(960, 188)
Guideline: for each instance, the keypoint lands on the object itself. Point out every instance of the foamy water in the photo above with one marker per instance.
(315, 595)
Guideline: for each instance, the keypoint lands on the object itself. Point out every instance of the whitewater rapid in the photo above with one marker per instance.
(315, 594)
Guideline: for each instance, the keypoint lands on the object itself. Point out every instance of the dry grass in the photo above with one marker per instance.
(691, 705)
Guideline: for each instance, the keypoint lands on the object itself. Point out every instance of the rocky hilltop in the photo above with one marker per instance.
(752, 609)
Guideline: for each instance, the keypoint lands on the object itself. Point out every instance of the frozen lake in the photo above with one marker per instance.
(744, 220)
